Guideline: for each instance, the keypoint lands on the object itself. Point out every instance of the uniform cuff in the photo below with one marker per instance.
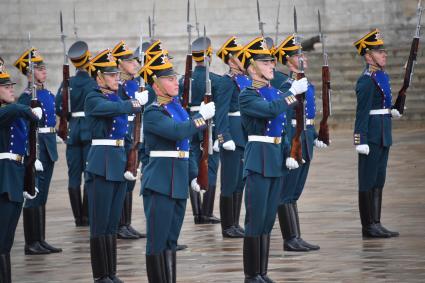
(290, 99)
(224, 137)
(360, 139)
(199, 121)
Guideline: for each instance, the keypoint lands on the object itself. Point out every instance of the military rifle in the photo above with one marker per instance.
(411, 62)
(187, 81)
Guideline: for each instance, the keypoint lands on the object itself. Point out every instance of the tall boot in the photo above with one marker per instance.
(85, 209)
(376, 212)
(297, 220)
(99, 260)
(76, 205)
(369, 229)
(237, 204)
(42, 211)
(227, 220)
(252, 260)
(195, 201)
(32, 232)
(123, 232)
(170, 265)
(208, 207)
(129, 213)
(111, 251)
(288, 228)
(5, 270)
(155, 268)
(264, 257)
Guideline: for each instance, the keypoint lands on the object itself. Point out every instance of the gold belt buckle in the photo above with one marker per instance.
(181, 154)
(276, 140)
(19, 158)
(52, 130)
(119, 143)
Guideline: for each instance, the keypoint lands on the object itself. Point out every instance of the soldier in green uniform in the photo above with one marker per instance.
(35, 210)
(167, 129)
(107, 116)
(263, 110)
(78, 140)
(372, 132)
(13, 143)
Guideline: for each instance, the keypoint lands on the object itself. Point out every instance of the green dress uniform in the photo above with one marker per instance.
(372, 128)
(35, 209)
(78, 140)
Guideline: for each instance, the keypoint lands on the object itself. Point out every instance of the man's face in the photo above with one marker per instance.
(170, 85)
(110, 81)
(40, 74)
(129, 66)
(7, 93)
(266, 69)
(377, 57)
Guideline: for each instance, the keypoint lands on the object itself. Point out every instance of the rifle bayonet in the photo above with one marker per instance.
(196, 19)
(260, 23)
(75, 25)
(150, 29)
(277, 24)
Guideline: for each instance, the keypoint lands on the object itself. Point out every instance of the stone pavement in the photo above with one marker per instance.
(329, 217)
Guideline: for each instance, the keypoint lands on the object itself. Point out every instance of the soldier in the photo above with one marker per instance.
(78, 140)
(13, 140)
(262, 112)
(231, 138)
(167, 130)
(35, 209)
(107, 118)
(294, 181)
(372, 132)
(202, 211)
(128, 87)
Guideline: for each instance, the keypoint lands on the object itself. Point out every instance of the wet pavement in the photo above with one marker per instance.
(328, 214)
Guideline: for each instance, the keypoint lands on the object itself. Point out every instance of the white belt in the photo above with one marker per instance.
(46, 130)
(380, 111)
(308, 122)
(169, 153)
(108, 142)
(237, 113)
(12, 156)
(275, 140)
(131, 118)
(194, 108)
(78, 114)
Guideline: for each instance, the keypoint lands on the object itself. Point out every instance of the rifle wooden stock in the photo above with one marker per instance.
(186, 81)
(326, 87)
(203, 163)
(63, 118)
(401, 98)
(296, 146)
(133, 154)
(29, 178)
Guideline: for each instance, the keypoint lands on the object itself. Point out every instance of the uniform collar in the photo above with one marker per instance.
(258, 84)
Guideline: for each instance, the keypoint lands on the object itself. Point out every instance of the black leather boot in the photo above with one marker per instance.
(129, 213)
(227, 219)
(5, 270)
(369, 229)
(264, 257)
(237, 205)
(111, 250)
(195, 201)
(76, 205)
(376, 212)
(85, 208)
(208, 207)
(288, 228)
(155, 268)
(252, 260)
(297, 220)
(99, 260)
(42, 211)
(32, 232)
(170, 265)
(181, 247)
(123, 231)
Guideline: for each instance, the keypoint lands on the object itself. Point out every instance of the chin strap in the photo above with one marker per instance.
(374, 60)
(165, 97)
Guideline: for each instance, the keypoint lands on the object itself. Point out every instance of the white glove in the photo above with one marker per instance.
(216, 146)
(38, 165)
(37, 112)
(59, 140)
(319, 144)
(395, 113)
(299, 86)
(195, 186)
(28, 196)
(207, 111)
(129, 176)
(229, 145)
(362, 149)
(142, 97)
(291, 163)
